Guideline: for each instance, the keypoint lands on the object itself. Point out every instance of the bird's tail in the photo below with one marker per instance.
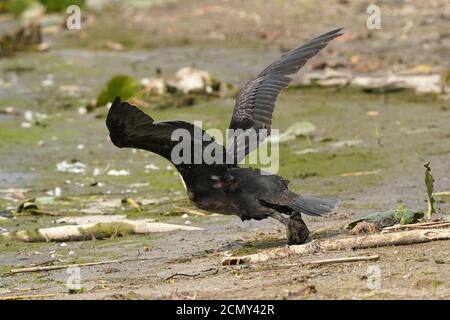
(314, 206)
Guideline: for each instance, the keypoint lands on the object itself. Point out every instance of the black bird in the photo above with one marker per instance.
(225, 187)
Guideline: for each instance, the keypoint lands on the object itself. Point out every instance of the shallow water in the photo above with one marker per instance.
(15, 179)
(91, 69)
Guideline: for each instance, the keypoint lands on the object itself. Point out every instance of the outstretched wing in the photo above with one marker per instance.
(129, 127)
(256, 101)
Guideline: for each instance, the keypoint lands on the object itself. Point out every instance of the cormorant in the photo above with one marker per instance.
(225, 187)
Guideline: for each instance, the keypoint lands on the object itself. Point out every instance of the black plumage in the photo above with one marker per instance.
(225, 187)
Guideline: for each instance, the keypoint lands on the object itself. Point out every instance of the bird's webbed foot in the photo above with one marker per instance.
(296, 230)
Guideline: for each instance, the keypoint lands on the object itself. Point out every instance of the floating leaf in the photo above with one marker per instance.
(119, 86)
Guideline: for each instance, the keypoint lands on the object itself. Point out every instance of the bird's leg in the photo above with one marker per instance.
(296, 230)
(279, 217)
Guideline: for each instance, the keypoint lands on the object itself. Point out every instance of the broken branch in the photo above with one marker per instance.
(352, 243)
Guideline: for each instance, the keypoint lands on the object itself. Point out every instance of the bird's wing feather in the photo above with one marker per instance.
(129, 127)
(256, 100)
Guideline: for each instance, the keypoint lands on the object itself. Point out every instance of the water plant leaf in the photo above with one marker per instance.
(390, 217)
(408, 216)
(375, 217)
(119, 86)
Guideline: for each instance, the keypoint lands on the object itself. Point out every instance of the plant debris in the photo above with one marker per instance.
(388, 218)
(429, 183)
(89, 231)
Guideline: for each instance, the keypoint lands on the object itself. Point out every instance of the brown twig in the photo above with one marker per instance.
(374, 257)
(63, 266)
(39, 212)
(201, 273)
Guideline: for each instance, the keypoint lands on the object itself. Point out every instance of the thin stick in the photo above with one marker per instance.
(331, 261)
(48, 295)
(425, 225)
(63, 266)
(39, 212)
(343, 260)
(214, 271)
(191, 211)
(361, 173)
